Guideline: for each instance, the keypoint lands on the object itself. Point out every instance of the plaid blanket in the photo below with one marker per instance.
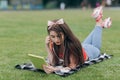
(63, 73)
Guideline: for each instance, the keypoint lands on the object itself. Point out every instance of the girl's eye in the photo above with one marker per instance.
(52, 36)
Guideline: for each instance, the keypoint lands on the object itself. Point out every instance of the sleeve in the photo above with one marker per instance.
(84, 54)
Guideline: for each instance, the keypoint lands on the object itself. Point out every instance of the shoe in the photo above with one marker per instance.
(98, 13)
(107, 23)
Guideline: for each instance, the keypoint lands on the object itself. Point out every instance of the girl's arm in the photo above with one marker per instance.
(50, 56)
(49, 69)
(73, 63)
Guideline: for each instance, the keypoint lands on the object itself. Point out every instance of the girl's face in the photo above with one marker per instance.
(56, 38)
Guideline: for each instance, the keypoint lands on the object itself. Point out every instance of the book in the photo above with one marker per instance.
(37, 61)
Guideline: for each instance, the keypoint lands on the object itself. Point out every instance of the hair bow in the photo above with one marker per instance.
(60, 21)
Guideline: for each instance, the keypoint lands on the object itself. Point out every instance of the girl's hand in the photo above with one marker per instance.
(47, 40)
(48, 69)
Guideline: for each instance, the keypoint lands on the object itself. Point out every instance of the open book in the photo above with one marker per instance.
(37, 61)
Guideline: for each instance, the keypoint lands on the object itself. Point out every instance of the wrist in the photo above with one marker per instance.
(47, 45)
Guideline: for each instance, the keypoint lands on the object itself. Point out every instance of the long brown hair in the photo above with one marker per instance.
(72, 44)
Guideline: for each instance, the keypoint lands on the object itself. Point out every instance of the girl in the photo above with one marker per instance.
(64, 49)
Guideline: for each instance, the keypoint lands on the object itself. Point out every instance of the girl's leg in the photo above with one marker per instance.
(95, 37)
(92, 43)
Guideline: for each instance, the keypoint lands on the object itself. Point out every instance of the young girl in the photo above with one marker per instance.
(64, 49)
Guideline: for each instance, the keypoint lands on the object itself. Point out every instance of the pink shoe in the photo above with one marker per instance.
(107, 23)
(97, 13)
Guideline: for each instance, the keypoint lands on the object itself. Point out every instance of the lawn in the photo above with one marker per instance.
(23, 32)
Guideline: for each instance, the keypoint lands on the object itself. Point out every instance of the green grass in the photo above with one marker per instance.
(23, 32)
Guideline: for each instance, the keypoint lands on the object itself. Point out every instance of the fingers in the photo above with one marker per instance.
(47, 41)
(48, 69)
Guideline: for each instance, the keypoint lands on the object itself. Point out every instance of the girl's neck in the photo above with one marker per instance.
(61, 48)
